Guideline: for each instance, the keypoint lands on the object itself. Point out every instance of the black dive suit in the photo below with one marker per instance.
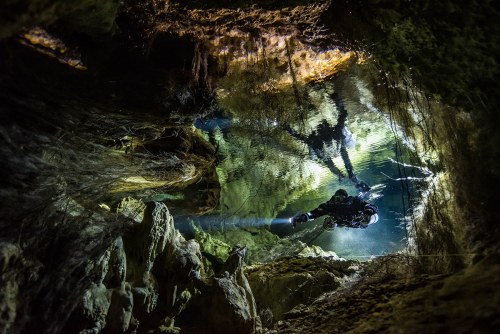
(351, 212)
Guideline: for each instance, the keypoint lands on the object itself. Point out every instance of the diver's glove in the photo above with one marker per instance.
(299, 219)
(329, 223)
(360, 185)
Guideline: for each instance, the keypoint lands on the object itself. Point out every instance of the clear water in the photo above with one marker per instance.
(267, 177)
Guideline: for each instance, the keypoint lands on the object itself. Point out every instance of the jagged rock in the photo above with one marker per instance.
(95, 305)
(285, 283)
(120, 309)
(142, 281)
(132, 208)
(162, 265)
(117, 265)
(152, 235)
(227, 301)
(100, 306)
(215, 252)
(9, 287)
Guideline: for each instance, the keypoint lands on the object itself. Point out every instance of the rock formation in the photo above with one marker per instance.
(285, 283)
(144, 280)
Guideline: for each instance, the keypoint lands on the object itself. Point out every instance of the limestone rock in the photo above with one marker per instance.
(227, 300)
(285, 283)
(95, 305)
(259, 241)
(132, 208)
(9, 287)
(120, 309)
(91, 17)
(141, 281)
(315, 251)
(215, 252)
(162, 265)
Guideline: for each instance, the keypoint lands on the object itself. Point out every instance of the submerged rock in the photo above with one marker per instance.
(214, 251)
(227, 301)
(391, 297)
(285, 283)
(9, 289)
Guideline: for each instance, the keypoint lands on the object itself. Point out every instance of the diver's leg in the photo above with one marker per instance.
(341, 109)
(347, 161)
(360, 185)
(334, 169)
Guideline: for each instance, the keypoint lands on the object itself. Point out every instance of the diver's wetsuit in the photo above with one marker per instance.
(345, 213)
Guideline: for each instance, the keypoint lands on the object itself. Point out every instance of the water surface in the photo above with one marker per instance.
(269, 176)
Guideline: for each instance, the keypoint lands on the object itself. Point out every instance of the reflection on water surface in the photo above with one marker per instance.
(269, 174)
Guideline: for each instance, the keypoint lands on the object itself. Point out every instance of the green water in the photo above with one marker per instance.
(267, 176)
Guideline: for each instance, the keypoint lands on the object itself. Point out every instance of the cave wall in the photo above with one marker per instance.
(439, 63)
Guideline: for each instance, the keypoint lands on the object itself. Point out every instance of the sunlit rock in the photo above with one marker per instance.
(315, 251)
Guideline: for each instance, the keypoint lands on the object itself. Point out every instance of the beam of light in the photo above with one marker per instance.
(409, 178)
(424, 170)
(282, 221)
(218, 222)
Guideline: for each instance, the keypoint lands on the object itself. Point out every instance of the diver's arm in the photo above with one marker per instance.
(321, 210)
(311, 215)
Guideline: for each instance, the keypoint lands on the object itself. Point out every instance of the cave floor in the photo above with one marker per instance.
(464, 302)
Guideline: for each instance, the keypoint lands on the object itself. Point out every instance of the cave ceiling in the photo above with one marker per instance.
(237, 35)
(206, 39)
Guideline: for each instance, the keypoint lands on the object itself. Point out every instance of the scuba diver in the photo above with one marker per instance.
(342, 211)
(324, 138)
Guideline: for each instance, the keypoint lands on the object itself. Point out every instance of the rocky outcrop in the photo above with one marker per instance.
(9, 287)
(143, 280)
(227, 302)
(392, 298)
(283, 284)
(146, 279)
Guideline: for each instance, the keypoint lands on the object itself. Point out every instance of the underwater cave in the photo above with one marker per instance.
(173, 166)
